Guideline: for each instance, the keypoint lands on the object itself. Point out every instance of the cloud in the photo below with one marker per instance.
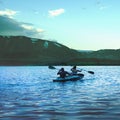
(57, 12)
(30, 30)
(103, 7)
(98, 2)
(9, 26)
(8, 12)
(27, 27)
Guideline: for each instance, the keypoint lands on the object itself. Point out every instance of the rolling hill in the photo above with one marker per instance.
(21, 50)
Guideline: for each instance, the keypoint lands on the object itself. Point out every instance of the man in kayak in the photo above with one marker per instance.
(62, 73)
(74, 70)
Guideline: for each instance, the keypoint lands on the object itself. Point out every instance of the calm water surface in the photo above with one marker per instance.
(28, 93)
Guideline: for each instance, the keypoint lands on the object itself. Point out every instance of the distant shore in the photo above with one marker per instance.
(22, 50)
(14, 62)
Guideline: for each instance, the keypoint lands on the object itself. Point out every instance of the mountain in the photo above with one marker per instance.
(100, 57)
(21, 50)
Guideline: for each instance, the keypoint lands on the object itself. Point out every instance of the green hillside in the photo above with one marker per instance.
(21, 50)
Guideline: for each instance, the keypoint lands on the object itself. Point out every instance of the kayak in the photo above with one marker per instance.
(69, 78)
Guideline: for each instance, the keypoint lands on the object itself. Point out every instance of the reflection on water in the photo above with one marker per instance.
(29, 93)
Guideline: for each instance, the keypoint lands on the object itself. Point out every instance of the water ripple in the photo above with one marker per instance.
(29, 93)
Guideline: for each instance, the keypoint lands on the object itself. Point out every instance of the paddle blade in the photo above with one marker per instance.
(51, 67)
(91, 72)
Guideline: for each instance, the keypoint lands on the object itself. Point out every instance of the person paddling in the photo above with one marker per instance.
(63, 73)
(74, 70)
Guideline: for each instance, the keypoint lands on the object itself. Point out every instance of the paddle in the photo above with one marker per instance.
(51, 67)
(91, 72)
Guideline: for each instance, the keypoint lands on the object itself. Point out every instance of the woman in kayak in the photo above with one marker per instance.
(62, 73)
(74, 70)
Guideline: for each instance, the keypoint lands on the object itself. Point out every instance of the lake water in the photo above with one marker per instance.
(28, 93)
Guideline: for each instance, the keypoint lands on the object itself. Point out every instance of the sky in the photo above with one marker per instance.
(78, 24)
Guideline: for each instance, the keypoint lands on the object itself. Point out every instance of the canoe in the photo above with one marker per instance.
(69, 78)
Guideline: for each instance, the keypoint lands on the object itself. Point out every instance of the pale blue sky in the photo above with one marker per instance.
(78, 24)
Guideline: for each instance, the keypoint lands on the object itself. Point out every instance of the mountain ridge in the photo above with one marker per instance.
(22, 50)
